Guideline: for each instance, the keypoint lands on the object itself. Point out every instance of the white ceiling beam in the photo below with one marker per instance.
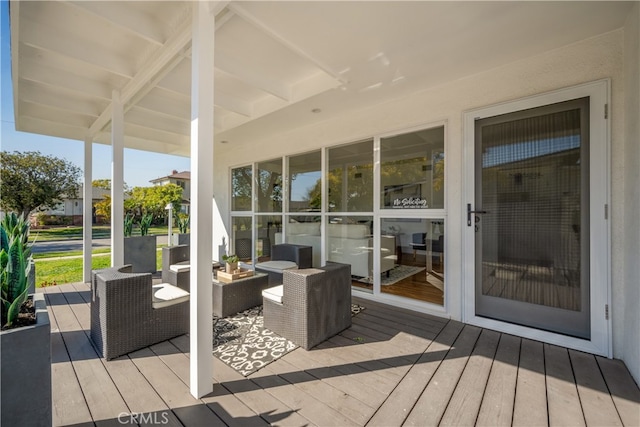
(40, 94)
(125, 18)
(51, 41)
(55, 114)
(233, 103)
(54, 128)
(253, 20)
(134, 130)
(32, 70)
(149, 71)
(146, 118)
(229, 66)
(166, 102)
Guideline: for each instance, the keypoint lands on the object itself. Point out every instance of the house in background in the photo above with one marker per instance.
(68, 211)
(181, 179)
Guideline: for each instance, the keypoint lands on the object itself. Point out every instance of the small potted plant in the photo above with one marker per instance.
(231, 262)
(182, 237)
(25, 338)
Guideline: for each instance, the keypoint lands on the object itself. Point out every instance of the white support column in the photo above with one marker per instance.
(87, 209)
(117, 181)
(201, 360)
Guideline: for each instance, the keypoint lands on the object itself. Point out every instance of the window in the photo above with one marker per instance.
(241, 189)
(350, 178)
(305, 182)
(269, 186)
(412, 170)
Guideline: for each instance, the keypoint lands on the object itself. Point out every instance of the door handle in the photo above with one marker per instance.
(469, 212)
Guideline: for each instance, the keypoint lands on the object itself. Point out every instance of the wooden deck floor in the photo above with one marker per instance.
(392, 367)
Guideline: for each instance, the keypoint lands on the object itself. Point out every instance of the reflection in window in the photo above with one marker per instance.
(241, 189)
(269, 186)
(305, 183)
(242, 237)
(267, 229)
(350, 178)
(350, 241)
(305, 230)
(416, 246)
(412, 170)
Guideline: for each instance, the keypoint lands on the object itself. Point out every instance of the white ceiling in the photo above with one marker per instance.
(275, 61)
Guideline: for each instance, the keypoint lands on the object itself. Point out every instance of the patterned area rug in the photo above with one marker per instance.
(396, 274)
(242, 342)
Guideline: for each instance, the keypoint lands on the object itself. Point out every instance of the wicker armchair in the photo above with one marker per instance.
(285, 256)
(172, 256)
(311, 305)
(123, 317)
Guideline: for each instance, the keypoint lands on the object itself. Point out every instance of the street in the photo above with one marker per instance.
(76, 245)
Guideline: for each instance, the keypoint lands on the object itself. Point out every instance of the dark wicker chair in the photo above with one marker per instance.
(122, 315)
(316, 304)
(174, 255)
(300, 255)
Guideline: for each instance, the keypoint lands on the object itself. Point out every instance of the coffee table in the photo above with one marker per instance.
(239, 295)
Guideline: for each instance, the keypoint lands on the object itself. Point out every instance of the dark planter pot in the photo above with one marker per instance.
(180, 239)
(140, 252)
(31, 279)
(26, 372)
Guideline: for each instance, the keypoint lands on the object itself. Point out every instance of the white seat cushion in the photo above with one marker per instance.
(274, 294)
(165, 295)
(180, 267)
(277, 266)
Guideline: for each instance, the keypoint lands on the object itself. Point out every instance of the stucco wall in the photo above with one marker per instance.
(625, 327)
(585, 61)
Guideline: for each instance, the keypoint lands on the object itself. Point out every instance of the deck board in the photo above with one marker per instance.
(496, 409)
(396, 408)
(530, 406)
(433, 402)
(465, 402)
(392, 367)
(563, 399)
(597, 403)
(624, 391)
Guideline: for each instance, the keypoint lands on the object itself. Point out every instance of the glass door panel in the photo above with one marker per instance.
(532, 240)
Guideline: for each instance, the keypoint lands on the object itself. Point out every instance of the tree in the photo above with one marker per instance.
(153, 200)
(105, 183)
(30, 180)
(149, 200)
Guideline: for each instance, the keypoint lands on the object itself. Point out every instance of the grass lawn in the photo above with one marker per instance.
(69, 270)
(68, 253)
(68, 232)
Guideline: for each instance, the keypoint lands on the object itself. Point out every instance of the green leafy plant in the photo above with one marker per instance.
(145, 223)
(128, 225)
(183, 223)
(230, 258)
(15, 265)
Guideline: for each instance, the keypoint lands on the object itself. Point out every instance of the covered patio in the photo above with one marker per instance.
(392, 367)
(265, 88)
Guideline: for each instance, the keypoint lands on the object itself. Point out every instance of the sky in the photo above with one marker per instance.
(139, 166)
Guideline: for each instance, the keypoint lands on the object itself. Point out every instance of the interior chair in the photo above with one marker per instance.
(285, 256)
(311, 305)
(129, 312)
(418, 242)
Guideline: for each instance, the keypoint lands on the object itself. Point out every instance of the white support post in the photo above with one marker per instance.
(87, 209)
(117, 181)
(201, 360)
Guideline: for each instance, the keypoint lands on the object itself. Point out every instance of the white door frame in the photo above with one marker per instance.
(600, 265)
